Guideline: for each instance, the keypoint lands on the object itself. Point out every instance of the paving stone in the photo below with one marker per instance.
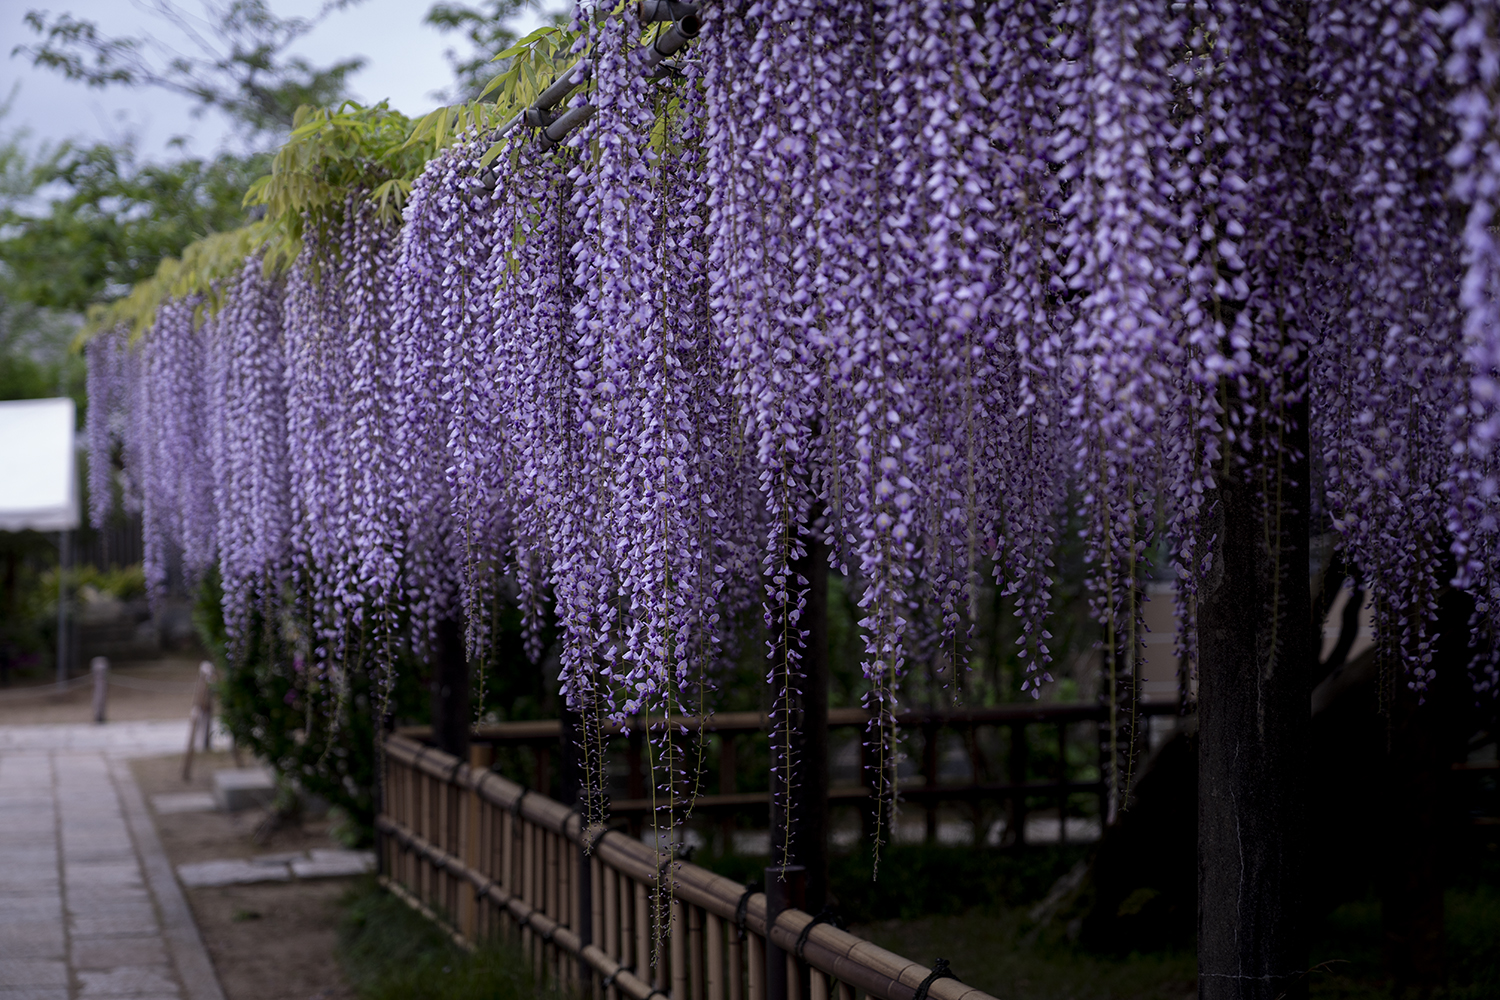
(33, 939)
(238, 872)
(113, 952)
(113, 925)
(126, 981)
(34, 994)
(333, 864)
(32, 972)
(183, 802)
(19, 909)
(101, 873)
(107, 901)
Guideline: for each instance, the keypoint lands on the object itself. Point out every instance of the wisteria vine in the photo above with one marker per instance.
(913, 279)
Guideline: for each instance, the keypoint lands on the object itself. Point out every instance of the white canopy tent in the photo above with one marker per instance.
(39, 484)
(38, 465)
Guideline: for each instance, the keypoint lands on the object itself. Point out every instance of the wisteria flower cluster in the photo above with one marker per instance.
(914, 279)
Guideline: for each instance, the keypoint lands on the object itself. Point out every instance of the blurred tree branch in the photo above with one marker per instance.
(241, 65)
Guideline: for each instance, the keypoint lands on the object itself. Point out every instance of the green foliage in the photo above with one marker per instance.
(243, 67)
(390, 952)
(331, 155)
(114, 221)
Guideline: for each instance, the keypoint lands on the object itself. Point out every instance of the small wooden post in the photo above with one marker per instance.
(99, 667)
(201, 714)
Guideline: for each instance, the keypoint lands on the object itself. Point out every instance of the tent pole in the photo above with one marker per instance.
(63, 558)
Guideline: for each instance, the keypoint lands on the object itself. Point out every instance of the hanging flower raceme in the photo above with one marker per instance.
(170, 426)
(344, 434)
(1385, 358)
(248, 453)
(1473, 71)
(108, 385)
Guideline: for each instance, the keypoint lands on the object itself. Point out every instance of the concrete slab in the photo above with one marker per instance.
(183, 802)
(234, 872)
(243, 788)
(334, 864)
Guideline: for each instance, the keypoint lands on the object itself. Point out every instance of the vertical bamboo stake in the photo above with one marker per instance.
(642, 933)
(695, 952)
(601, 937)
(793, 978)
(845, 991)
(610, 940)
(527, 883)
(424, 830)
(679, 951)
(819, 985)
(714, 939)
(757, 964)
(734, 976)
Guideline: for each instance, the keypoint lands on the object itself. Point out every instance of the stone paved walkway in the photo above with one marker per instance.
(89, 908)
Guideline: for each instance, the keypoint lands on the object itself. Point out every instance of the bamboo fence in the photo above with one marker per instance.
(487, 858)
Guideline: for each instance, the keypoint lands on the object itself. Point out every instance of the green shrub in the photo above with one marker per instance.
(304, 726)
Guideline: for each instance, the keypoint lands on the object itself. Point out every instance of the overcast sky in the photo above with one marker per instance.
(404, 62)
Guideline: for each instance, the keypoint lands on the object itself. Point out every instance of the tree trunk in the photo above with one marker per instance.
(1255, 656)
(450, 690)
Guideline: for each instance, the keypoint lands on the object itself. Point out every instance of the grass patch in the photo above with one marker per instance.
(391, 952)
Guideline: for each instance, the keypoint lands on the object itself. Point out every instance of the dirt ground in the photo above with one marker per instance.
(268, 941)
(152, 689)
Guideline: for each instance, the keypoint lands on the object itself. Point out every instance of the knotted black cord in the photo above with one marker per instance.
(939, 971)
(829, 914)
(742, 906)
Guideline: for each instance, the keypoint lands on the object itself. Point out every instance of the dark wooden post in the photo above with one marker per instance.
(1017, 767)
(799, 820)
(450, 689)
(1062, 780)
(812, 803)
(1256, 652)
(573, 792)
(728, 768)
(930, 776)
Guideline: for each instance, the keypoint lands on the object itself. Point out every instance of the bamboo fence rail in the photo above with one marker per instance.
(488, 858)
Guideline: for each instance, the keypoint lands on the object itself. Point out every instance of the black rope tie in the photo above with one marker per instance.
(829, 914)
(741, 907)
(609, 980)
(939, 971)
(515, 807)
